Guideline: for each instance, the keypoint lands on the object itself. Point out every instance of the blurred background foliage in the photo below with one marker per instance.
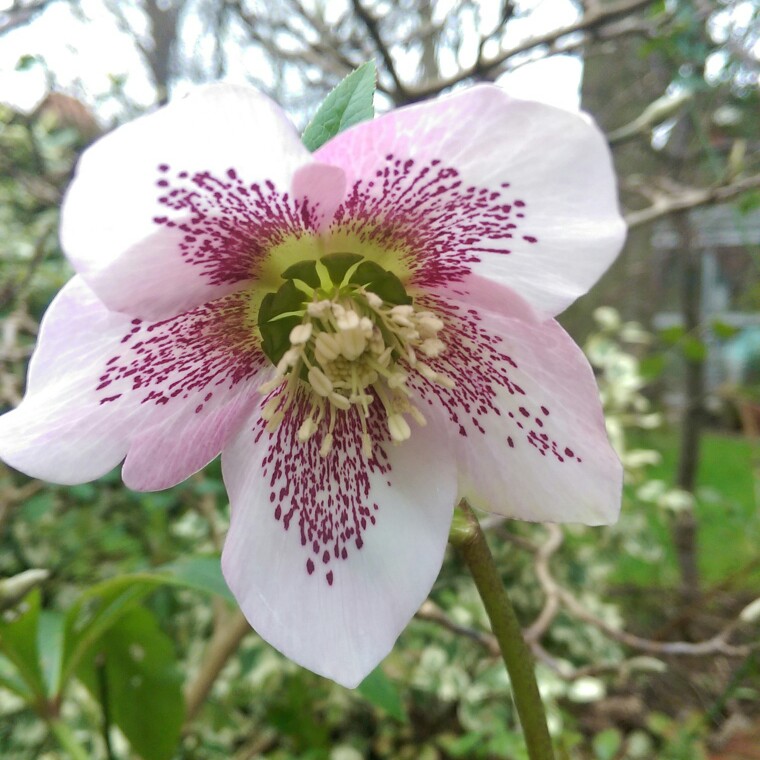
(118, 638)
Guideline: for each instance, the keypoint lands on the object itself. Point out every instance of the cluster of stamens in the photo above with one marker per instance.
(355, 350)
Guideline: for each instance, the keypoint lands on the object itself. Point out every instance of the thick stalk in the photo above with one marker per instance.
(468, 539)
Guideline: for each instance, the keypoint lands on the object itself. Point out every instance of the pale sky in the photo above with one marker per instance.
(85, 55)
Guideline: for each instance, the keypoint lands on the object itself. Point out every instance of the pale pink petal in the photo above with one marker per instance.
(321, 188)
(176, 208)
(103, 386)
(330, 558)
(531, 440)
(519, 192)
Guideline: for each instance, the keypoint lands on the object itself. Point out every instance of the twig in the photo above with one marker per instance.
(434, 614)
(599, 16)
(374, 31)
(224, 643)
(668, 203)
(718, 644)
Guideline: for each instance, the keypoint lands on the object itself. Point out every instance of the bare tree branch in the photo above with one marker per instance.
(382, 48)
(223, 644)
(592, 20)
(20, 14)
(718, 644)
(669, 203)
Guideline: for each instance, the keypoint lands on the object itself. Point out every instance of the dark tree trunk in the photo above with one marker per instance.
(685, 528)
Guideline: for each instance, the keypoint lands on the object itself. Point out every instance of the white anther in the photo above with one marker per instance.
(417, 415)
(427, 372)
(402, 310)
(319, 382)
(432, 347)
(376, 342)
(326, 348)
(397, 379)
(384, 359)
(348, 320)
(399, 428)
(401, 321)
(352, 343)
(339, 400)
(366, 325)
(429, 326)
(373, 299)
(289, 359)
(307, 429)
(300, 334)
(270, 385)
(270, 407)
(327, 443)
(318, 308)
(274, 421)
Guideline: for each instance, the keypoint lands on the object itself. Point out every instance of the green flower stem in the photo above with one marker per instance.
(66, 740)
(467, 538)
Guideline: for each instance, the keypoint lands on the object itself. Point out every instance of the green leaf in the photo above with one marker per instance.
(200, 573)
(651, 367)
(50, 645)
(607, 744)
(380, 281)
(671, 335)
(18, 642)
(275, 333)
(749, 201)
(134, 668)
(10, 680)
(26, 62)
(103, 605)
(99, 608)
(378, 689)
(349, 103)
(694, 349)
(723, 330)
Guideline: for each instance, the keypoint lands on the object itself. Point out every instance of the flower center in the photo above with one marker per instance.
(343, 331)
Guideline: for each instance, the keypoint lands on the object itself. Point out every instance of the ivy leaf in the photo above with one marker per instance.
(349, 103)
(199, 573)
(133, 669)
(694, 349)
(378, 689)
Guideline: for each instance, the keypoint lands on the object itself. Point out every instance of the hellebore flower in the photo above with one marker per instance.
(364, 332)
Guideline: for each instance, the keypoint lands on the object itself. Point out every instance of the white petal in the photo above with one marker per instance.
(201, 155)
(519, 192)
(532, 442)
(103, 386)
(341, 616)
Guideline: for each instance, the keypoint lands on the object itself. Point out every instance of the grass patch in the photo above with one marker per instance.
(727, 513)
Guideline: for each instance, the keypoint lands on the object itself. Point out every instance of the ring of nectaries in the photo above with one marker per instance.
(344, 331)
